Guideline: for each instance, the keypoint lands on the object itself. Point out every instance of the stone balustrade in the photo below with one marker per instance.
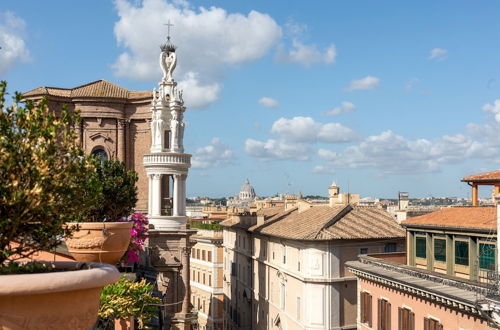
(167, 158)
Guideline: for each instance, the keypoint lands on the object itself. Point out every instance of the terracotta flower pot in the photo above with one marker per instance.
(99, 241)
(59, 300)
(121, 324)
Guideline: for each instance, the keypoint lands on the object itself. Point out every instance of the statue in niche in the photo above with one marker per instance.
(177, 129)
(157, 127)
(168, 61)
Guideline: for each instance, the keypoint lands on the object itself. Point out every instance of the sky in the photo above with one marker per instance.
(378, 96)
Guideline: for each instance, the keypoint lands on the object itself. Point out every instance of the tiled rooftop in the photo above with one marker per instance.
(481, 177)
(479, 218)
(96, 89)
(325, 223)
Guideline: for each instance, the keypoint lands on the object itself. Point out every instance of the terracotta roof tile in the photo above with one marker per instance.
(325, 223)
(488, 176)
(99, 88)
(483, 218)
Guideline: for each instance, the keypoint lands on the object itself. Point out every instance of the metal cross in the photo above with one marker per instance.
(168, 26)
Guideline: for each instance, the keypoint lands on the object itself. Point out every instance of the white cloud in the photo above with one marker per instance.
(438, 54)
(390, 153)
(345, 107)
(207, 40)
(493, 109)
(214, 155)
(305, 129)
(321, 169)
(307, 55)
(277, 150)
(268, 102)
(411, 83)
(198, 96)
(366, 83)
(14, 48)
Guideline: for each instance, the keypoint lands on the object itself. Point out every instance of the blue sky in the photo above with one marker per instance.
(379, 96)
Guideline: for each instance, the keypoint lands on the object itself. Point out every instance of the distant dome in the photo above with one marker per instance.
(246, 191)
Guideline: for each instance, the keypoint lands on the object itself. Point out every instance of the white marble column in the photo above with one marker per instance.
(156, 195)
(150, 194)
(177, 194)
(182, 195)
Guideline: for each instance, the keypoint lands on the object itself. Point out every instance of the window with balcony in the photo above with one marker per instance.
(420, 247)
(366, 308)
(406, 319)
(462, 253)
(440, 250)
(487, 256)
(384, 315)
(431, 324)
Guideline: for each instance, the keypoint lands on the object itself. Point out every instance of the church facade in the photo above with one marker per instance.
(115, 123)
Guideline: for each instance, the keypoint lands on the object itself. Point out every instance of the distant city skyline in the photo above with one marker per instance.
(379, 97)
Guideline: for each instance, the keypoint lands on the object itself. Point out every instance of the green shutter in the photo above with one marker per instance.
(440, 250)
(487, 256)
(462, 253)
(420, 247)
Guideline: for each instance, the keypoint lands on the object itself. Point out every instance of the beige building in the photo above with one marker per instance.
(284, 268)
(206, 278)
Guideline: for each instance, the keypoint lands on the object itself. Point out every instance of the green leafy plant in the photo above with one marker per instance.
(207, 226)
(125, 299)
(119, 192)
(45, 178)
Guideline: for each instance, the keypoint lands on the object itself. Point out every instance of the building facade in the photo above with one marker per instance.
(447, 279)
(284, 267)
(206, 278)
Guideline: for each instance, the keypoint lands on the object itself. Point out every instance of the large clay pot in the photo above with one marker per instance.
(99, 241)
(66, 299)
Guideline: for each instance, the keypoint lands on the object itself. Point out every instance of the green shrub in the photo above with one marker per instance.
(206, 226)
(45, 178)
(119, 192)
(124, 299)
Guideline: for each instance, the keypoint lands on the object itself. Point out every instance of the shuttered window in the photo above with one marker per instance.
(440, 250)
(420, 247)
(366, 308)
(487, 256)
(384, 315)
(461, 253)
(406, 319)
(431, 324)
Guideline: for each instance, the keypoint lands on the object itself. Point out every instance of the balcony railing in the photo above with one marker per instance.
(167, 158)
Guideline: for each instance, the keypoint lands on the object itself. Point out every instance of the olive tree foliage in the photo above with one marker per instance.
(45, 178)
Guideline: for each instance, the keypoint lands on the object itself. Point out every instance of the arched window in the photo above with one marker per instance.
(100, 153)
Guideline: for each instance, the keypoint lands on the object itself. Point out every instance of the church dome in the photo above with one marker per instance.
(247, 191)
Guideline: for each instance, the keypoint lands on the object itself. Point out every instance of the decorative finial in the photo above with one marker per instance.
(168, 47)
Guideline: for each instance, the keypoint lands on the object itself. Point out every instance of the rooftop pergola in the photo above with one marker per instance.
(483, 179)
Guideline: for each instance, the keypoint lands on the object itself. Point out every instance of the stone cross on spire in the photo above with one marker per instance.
(168, 29)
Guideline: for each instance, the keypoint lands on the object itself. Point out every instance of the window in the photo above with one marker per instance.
(210, 280)
(298, 308)
(282, 295)
(384, 315)
(203, 255)
(284, 254)
(100, 154)
(233, 269)
(487, 256)
(298, 266)
(197, 254)
(431, 324)
(363, 251)
(406, 319)
(366, 308)
(420, 247)
(210, 256)
(440, 250)
(462, 253)
(390, 247)
(203, 278)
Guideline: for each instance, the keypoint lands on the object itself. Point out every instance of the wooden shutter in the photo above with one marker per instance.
(379, 314)
(400, 318)
(388, 315)
(362, 307)
(369, 309)
(411, 321)
(439, 326)
(426, 323)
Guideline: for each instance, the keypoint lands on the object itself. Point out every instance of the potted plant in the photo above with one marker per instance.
(45, 180)
(126, 300)
(104, 238)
